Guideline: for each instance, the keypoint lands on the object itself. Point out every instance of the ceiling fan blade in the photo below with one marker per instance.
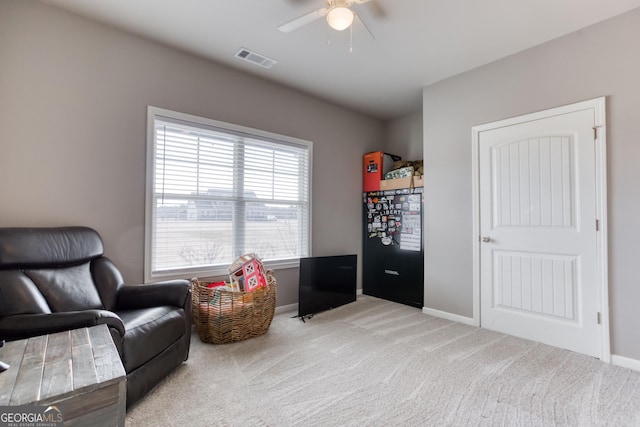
(375, 5)
(377, 8)
(364, 25)
(303, 20)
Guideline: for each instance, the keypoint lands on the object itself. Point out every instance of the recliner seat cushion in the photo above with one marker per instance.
(148, 332)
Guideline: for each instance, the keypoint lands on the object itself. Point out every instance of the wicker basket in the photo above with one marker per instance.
(223, 317)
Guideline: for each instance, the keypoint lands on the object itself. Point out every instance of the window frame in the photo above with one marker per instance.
(210, 271)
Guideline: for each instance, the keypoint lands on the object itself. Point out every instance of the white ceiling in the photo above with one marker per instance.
(417, 42)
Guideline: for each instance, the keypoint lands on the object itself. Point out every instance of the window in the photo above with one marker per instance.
(216, 191)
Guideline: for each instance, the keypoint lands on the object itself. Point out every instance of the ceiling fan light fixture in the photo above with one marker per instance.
(340, 18)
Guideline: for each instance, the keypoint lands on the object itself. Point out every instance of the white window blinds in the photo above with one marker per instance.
(218, 191)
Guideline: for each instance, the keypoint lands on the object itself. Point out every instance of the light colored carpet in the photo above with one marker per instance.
(374, 362)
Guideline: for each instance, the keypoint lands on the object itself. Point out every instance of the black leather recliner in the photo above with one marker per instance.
(56, 279)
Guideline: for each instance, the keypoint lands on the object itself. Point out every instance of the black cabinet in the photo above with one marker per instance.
(393, 255)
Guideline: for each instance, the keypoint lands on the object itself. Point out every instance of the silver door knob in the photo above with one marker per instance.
(485, 239)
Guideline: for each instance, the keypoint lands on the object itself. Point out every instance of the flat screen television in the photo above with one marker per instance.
(326, 282)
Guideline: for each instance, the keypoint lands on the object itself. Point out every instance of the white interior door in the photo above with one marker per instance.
(539, 260)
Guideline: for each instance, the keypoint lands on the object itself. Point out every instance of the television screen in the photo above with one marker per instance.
(326, 282)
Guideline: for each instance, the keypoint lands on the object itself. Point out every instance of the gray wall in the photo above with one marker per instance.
(73, 98)
(403, 136)
(601, 60)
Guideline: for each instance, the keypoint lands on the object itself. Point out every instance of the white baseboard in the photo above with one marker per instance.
(287, 308)
(449, 316)
(625, 362)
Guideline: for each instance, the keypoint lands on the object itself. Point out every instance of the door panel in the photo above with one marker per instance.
(525, 195)
(538, 284)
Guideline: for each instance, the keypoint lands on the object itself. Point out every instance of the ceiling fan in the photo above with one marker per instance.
(339, 15)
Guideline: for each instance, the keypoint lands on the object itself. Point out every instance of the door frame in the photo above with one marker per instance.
(598, 105)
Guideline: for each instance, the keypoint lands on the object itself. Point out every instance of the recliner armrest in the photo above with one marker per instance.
(21, 326)
(175, 293)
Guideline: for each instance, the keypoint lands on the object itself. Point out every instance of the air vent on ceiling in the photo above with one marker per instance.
(255, 58)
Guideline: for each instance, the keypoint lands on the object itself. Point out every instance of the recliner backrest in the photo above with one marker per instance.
(44, 270)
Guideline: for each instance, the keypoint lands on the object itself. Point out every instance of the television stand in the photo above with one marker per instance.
(308, 316)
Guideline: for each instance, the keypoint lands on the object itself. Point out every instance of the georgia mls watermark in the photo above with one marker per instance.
(31, 416)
